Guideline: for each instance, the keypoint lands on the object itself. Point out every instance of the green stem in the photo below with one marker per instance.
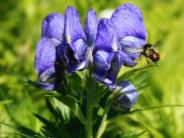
(89, 125)
(103, 124)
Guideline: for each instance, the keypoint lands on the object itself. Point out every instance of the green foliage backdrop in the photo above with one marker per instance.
(20, 22)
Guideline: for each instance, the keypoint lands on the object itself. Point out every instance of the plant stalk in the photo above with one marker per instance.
(104, 122)
(103, 126)
(89, 124)
(89, 117)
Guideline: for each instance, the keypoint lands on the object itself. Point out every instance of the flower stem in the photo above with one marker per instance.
(89, 89)
(102, 125)
(104, 122)
(89, 125)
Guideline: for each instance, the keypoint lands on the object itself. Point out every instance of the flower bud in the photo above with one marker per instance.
(127, 96)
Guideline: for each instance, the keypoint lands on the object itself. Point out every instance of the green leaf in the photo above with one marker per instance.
(64, 110)
(132, 72)
(154, 107)
(98, 92)
(142, 110)
(4, 102)
(23, 131)
(145, 109)
(70, 102)
(52, 130)
(31, 83)
(55, 112)
(133, 134)
(75, 81)
(26, 132)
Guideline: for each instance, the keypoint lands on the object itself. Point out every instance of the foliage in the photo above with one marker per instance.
(163, 85)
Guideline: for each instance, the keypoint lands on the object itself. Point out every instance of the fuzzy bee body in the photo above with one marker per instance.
(150, 52)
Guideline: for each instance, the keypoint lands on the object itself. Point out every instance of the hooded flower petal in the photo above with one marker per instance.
(132, 46)
(45, 55)
(129, 24)
(73, 27)
(45, 59)
(74, 49)
(106, 38)
(105, 57)
(102, 64)
(127, 97)
(126, 59)
(128, 21)
(53, 26)
(91, 24)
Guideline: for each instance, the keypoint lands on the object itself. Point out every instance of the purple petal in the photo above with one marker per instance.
(74, 55)
(48, 80)
(105, 36)
(102, 63)
(91, 24)
(48, 86)
(53, 26)
(48, 75)
(79, 49)
(106, 67)
(105, 59)
(73, 51)
(75, 67)
(128, 95)
(79, 66)
(129, 24)
(132, 46)
(126, 59)
(132, 43)
(73, 27)
(128, 21)
(45, 56)
(46, 69)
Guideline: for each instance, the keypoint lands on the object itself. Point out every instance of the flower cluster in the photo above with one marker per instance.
(65, 46)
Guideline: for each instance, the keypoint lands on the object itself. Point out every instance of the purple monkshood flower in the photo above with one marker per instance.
(106, 54)
(73, 50)
(119, 41)
(127, 96)
(46, 57)
(131, 32)
(63, 41)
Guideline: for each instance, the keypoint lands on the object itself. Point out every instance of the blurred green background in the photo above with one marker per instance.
(20, 29)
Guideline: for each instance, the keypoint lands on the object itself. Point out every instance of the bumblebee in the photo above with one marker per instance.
(150, 53)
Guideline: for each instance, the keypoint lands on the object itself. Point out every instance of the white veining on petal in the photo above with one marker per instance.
(81, 65)
(115, 47)
(114, 44)
(45, 76)
(134, 50)
(107, 81)
(68, 39)
(127, 88)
